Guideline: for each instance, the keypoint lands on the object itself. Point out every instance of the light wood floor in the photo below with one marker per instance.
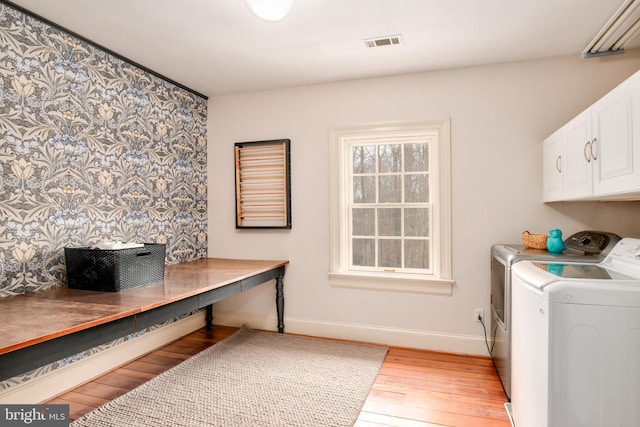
(414, 387)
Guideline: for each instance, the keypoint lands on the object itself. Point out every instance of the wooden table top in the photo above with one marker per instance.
(43, 315)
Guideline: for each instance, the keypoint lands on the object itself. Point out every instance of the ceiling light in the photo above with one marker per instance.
(270, 10)
(621, 29)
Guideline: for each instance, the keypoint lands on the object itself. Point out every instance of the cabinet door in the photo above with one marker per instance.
(577, 156)
(616, 140)
(552, 165)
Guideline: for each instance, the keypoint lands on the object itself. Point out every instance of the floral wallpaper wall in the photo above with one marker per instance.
(92, 148)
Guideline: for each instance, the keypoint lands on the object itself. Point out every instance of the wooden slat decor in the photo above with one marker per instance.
(263, 184)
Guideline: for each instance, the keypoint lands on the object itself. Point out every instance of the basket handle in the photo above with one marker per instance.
(143, 254)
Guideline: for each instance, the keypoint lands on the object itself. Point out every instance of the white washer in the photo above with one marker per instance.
(576, 342)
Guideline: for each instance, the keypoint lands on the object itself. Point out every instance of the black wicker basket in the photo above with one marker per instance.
(114, 270)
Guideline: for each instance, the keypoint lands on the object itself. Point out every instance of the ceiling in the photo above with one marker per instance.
(218, 47)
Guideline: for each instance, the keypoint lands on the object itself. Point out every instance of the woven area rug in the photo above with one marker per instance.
(254, 379)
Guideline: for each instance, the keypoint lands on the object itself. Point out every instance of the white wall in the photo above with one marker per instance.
(499, 115)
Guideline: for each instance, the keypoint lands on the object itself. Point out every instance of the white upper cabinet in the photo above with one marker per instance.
(615, 146)
(577, 176)
(599, 150)
(552, 166)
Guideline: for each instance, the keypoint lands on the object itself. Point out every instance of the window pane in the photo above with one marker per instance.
(416, 188)
(390, 197)
(416, 157)
(364, 252)
(364, 189)
(389, 253)
(363, 222)
(364, 159)
(416, 253)
(390, 189)
(389, 222)
(416, 222)
(390, 158)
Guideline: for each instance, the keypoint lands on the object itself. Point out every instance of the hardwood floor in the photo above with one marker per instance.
(414, 387)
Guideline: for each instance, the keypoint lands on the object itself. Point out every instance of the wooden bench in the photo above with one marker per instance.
(45, 326)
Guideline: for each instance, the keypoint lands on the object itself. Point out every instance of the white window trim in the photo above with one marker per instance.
(441, 281)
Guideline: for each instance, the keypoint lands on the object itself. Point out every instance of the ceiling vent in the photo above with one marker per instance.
(384, 41)
(619, 31)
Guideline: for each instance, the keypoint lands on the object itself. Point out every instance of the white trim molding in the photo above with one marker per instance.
(439, 278)
(423, 340)
(397, 282)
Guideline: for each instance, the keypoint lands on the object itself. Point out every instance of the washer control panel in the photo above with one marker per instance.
(628, 251)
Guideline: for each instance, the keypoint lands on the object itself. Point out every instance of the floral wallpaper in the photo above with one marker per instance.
(92, 148)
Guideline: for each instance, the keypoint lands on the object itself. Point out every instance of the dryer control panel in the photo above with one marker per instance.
(592, 242)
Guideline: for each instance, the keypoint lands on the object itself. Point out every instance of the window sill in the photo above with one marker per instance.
(392, 282)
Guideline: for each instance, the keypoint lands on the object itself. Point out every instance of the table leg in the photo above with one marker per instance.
(209, 316)
(280, 303)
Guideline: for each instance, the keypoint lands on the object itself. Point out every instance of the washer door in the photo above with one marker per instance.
(581, 271)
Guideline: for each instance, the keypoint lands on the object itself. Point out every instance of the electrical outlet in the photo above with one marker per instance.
(478, 314)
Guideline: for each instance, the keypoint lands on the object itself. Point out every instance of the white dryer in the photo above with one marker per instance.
(576, 342)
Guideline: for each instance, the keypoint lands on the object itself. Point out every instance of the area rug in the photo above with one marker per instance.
(252, 379)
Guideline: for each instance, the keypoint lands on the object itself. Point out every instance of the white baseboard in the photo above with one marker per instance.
(425, 340)
(60, 380)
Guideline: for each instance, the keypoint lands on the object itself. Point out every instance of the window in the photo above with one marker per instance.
(390, 207)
